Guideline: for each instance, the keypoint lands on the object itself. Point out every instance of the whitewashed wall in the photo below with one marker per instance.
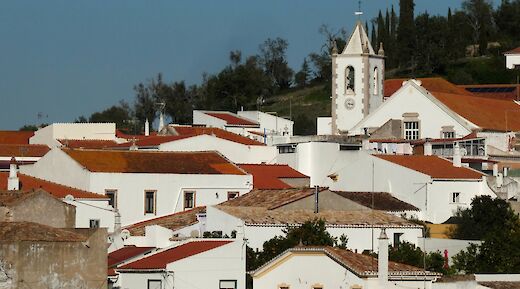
(271, 123)
(49, 134)
(409, 99)
(512, 60)
(93, 209)
(199, 117)
(236, 152)
(324, 125)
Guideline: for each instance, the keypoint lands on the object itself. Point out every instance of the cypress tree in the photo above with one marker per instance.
(380, 29)
(406, 43)
(373, 37)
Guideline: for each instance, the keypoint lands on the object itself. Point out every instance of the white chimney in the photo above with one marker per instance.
(146, 128)
(382, 259)
(500, 180)
(365, 144)
(457, 159)
(161, 121)
(495, 170)
(506, 171)
(428, 151)
(117, 222)
(13, 183)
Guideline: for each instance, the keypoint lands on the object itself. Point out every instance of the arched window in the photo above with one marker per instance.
(376, 82)
(349, 79)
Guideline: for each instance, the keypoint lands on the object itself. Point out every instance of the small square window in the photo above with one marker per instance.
(228, 284)
(448, 134)
(112, 194)
(149, 202)
(455, 197)
(411, 130)
(94, 223)
(397, 238)
(154, 284)
(189, 200)
(232, 195)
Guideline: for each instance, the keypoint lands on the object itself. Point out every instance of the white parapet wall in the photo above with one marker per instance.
(80, 131)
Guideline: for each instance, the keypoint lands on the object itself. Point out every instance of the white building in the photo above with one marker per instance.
(264, 214)
(225, 120)
(513, 59)
(338, 268)
(237, 148)
(270, 123)
(145, 185)
(357, 81)
(195, 263)
(50, 134)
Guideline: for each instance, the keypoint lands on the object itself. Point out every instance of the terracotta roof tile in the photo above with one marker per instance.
(269, 199)
(87, 143)
(514, 51)
(123, 254)
(23, 150)
(382, 201)
(153, 141)
(269, 176)
(173, 222)
(55, 189)
(360, 264)
(15, 137)
(106, 161)
(487, 113)
(232, 119)
(218, 132)
(495, 91)
(159, 260)
(361, 218)
(27, 231)
(436, 167)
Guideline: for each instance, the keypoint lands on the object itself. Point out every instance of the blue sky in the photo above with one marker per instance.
(63, 58)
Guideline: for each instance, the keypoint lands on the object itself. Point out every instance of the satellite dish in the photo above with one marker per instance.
(69, 198)
(125, 234)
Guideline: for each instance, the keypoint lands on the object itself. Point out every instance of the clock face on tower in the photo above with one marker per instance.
(350, 103)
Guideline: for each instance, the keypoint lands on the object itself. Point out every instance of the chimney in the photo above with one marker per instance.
(457, 159)
(365, 144)
(495, 170)
(13, 183)
(506, 171)
(146, 128)
(428, 151)
(500, 180)
(382, 259)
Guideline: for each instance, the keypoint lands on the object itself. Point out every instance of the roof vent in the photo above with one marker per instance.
(69, 198)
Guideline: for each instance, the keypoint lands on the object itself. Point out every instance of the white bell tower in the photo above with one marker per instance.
(357, 81)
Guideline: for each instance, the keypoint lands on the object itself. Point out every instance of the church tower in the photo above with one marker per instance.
(357, 81)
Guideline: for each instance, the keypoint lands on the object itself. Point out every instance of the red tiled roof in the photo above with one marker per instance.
(126, 136)
(232, 119)
(173, 221)
(87, 143)
(257, 133)
(268, 176)
(153, 141)
(487, 113)
(161, 259)
(106, 161)
(381, 201)
(436, 167)
(15, 137)
(270, 199)
(57, 190)
(495, 91)
(514, 51)
(123, 254)
(360, 264)
(220, 133)
(23, 150)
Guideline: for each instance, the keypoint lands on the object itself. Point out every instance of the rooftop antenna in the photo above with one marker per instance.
(359, 12)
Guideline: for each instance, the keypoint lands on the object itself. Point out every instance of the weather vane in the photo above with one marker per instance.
(359, 12)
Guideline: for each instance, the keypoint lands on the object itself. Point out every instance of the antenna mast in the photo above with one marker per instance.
(359, 12)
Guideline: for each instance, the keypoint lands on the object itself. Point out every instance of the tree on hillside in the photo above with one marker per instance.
(408, 253)
(406, 33)
(321, 62)
(480, 17)
(508, 22)
(302, 77)
(431, 43)
(119, 114)
(381, 31)
(146, 98)
(273, 58)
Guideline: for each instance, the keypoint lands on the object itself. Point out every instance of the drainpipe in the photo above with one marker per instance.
(316, 200)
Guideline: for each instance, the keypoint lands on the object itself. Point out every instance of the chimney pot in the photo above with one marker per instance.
(382, 259)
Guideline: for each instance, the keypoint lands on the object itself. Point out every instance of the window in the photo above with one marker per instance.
(448, 134)
(287, 149)
(189, 200)
(94, 223)
(154, 284)
(376, 82)
(397, 238)
(349, 79)
(232, 195)
(455, 197)
(227, 284)
(112, 197)
(149, 202)
(411, 130)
